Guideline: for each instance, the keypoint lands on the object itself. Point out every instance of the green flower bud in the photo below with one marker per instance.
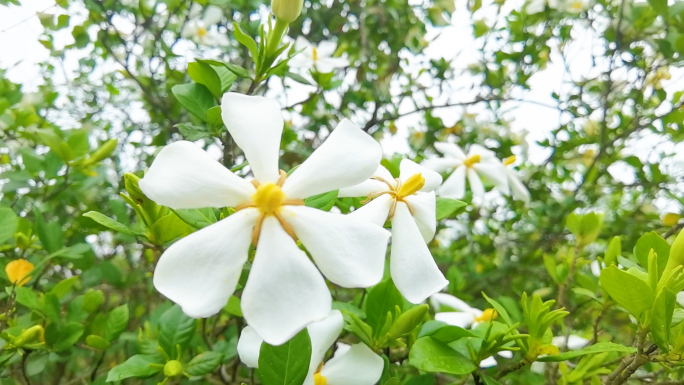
(676, 252)
(287, 10)
(32, 335)
(173, 368)
(131, 183)
(103, 151)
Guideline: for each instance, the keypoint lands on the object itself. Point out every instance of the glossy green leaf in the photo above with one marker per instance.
(382, 299)
(286, 364)
(175, 329)
(596, 348)
(196, 98)
(447, 207)
(661, 318)
(630, 292)
(116, 323)
(430, 355)
(9, 222)
(138, 366)
(204, 363)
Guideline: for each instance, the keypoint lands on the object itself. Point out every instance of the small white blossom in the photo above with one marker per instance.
(318, 57)
(515, 186)
(202, 29)
(356, 364)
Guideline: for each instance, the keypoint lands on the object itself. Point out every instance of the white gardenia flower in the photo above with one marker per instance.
(409, 203)
(202, 29)
(479, 161)
(284, 291)
(356, 364)
(515, 186)
(318, 57)
(465, 316)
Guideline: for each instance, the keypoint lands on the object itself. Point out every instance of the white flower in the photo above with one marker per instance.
(478, 161)
(575, 342)
(356, 364)
(464, 317)
(318, 57)
(201, 30)
(284, 291)
(515, 186)
(409, 203)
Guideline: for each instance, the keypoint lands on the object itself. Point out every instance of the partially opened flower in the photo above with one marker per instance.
(409, 203)
(356, 364)
(284, 291)
(202, 29)
(318, 57)
(478, 162)
(455, 312)
(515, 186)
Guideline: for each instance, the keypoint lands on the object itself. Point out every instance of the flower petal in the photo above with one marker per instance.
(284, 291)
(441, 164)
(450, 149)
(408, 168)
(348, 157)
(350, 252)
(376, 211)
(454, 185)
(424, 206)
(357, 366)
(475, 184)
(494, 171)
(488, 362)
(256, 124)
(323, 335)
(183, 176)
(460, 319)
(326, 48)
(212, 15)
(412, 267)
(438, 300)
(518, 190)
(200, 271)
(506, 354)
(248, 347)
(328, 64)
(368, 186)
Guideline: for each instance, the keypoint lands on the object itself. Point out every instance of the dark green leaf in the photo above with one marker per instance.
(116, 323)
(175, 329)
(204, 363)
(286, 364)
(596, 348)
(430, 355)
(138, 366)
(196, 98)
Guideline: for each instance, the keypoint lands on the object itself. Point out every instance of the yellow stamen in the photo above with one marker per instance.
(319, 379)
(510, 160)
(201, 32)
(411, 186)
(18, 271)
(314, 54)
(487, 315)
(268, 198)
(472, 160)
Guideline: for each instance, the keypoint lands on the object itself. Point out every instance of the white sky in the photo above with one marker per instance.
(20, 50)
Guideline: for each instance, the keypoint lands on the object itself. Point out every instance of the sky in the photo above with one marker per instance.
(20, 30)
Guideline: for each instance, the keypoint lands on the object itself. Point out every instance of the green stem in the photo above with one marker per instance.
(275, 36)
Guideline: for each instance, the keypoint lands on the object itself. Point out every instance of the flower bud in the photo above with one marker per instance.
(32, 335)
(131, 182)
(173, 368)
(104, 151)
(287, 10)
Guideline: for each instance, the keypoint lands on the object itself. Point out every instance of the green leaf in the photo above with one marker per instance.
(97, 342)
(64, 286)
(287, 364)
(430, 355)
(446, 207)
(196, 98)
(214, 117)
(659, 6)
(550, 265)
(204, 363)
(52, 309)
(298, 78)
(175, 329)
(382, 298)
(92, 300)
(233, 306)
(653, 241)
(49, 233)
(596, 348)
(408, 321)
(116, 323)
(27, 297)
(170, 227)
(324, 201)
(631, 292)
(204, 74)
(354, 324)
(661, 318)
(9, 222)
(499, 309)
(68, 336)
(237, 70)
(138, 366)
(112, 224)
(247, 41)
(450, 333)
(197, 218)
(192, 133)
(613, 251)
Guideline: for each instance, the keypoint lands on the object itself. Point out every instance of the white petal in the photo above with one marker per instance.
(212, 15)
(494, 171)
(375, 211)
(284, 291)
(200, 271)
(328, 64)
(348, 251)
(484, 152)
(412, 267)
(326, 48)
(475, 184)
(517, 188)
(363, 189)
(441, 164)
(438, 300)
(450, 149)
(538, 367)
(460, 319)
(301, 60)
(348, 157)
(256, 124)
(323, 335)
(408, 168)
(301, 43)
(357, 366)
(506, 354)
(454, 185)
(248, 347)
(574, 342)
(424, 206)
(183, 176)
(488, 362)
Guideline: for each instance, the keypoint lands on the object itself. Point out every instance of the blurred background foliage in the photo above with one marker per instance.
(64, 149)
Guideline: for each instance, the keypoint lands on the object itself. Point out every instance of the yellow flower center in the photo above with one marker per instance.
(201, 31)
(510, 160)
(487, 315)
(314, 54)
(472, 160)
(269, 198)
(319, 379)
(577, 5)
(18, 271)
(411, 186)
(398, 191)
